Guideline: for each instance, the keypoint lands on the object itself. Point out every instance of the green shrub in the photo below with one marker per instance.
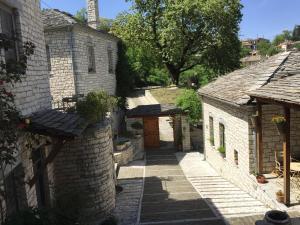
(190, 103)
(137, 125)
(95, 106)
(222, 149)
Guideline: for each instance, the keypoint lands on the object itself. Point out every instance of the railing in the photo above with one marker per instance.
(67, 103)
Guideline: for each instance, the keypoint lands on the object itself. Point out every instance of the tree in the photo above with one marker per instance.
(286, 35)
(105, 24)
(267, 48)
(190, 103)
(245, 51)
(186, 33)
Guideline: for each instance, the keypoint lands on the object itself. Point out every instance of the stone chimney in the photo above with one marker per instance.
(93, 13)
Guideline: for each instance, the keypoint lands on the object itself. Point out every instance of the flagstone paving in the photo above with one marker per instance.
(169, 198)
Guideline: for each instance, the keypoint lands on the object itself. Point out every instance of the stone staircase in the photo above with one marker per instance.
(225, 198)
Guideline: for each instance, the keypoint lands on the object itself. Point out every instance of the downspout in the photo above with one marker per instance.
(72, 47)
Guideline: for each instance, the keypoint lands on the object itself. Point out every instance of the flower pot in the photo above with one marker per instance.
(222, 155)
(280, 198)
(276, 217)
(261, 179)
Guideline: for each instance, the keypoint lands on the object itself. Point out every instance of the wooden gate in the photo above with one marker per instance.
(151, 132)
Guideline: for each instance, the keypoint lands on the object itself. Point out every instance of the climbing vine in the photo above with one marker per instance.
(12, 70)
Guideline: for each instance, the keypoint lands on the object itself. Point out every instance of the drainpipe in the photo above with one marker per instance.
(72, 47)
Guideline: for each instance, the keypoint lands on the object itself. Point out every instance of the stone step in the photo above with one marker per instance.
(242, 210)
(242, 203)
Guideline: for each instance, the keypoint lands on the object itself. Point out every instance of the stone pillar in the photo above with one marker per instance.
(186, 137)
(93, 13)
(177, 131)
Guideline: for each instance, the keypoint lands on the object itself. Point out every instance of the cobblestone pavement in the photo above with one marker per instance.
(169, 198)
(128, 201)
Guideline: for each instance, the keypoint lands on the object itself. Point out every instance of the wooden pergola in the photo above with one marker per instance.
(286, 146)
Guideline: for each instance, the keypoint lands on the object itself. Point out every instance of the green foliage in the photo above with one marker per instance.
(200, 75)
(286, 35)
(278, 119)
(266, 48)
(184, 33)
(137, 125)
(222, 149)
(159, 77)
(190, 103)
(105, 24)
(245, 51)
(297, 46)
(95, 106)
(124, 73)
(12, 71)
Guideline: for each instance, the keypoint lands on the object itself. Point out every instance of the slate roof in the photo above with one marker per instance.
(57, 123)
(234, 86)
(285, 85)
(55, 19)
(153, 110)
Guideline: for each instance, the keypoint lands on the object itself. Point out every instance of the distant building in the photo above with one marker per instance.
(296, 33)
(81, 58)
(252, 43)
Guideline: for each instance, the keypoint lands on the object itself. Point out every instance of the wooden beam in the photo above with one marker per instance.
(287, 157)
(259, 139)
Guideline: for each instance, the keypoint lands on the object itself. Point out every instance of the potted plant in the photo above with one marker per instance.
(121, 145)
(261, 179)
(137, 126)
(280, 196)
(222, 151)
(280, 122)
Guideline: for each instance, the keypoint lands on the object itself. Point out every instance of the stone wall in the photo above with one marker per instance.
(33, 94)
(272, 141)
(185, 130)
(237, 132)
(62, 73)
(239, 135)
(85, 166)
(197, 137)
(101, 79)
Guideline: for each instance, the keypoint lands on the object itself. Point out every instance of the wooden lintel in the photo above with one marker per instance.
(287, 157)
(276, 102)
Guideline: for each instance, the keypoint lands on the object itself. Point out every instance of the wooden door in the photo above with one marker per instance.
(151, 132)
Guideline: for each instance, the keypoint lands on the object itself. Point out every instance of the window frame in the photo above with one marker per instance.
(12, 12)
(222, 137)
(111, 69)
(48, 54)
(91, 59)
(211, 131)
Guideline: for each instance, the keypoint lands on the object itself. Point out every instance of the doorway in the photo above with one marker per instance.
(151, 132)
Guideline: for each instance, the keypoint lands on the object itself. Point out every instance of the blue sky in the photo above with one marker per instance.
(263, 18)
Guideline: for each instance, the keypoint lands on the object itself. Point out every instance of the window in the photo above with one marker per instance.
(110, 60)
(91, 58)
(211, 131)
(7, 27)
(236, 157)
(222, 135)
(48, 57)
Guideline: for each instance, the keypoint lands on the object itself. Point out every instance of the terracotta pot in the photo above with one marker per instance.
(261, 179)
(280, 198)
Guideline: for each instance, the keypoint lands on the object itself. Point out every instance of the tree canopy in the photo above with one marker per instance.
(184, 33)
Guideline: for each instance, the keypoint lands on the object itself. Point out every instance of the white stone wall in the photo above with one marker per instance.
(237, 132)
(33, 94)
(61, 75)
(101, 79)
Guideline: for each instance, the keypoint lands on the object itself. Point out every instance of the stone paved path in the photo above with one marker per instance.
(128, 201)
(169, 198)
(228, 200)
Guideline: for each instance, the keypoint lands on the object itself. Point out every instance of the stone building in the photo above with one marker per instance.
(229, 115)
(81, 58)
(57, 150)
